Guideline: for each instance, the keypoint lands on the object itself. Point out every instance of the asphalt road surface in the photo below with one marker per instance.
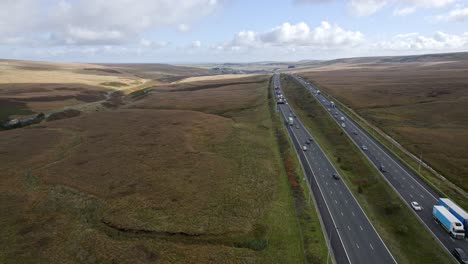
(409, 186)
(352, 237)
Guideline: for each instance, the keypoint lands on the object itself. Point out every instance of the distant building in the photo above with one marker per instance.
(291, 66)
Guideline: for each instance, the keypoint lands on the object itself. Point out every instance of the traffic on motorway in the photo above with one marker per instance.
(350, 234)
(445, 220)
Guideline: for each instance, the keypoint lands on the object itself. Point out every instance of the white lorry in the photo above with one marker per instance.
(448, 221)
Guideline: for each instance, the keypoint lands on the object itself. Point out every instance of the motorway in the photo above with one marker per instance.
(408, 185)
(352, 237)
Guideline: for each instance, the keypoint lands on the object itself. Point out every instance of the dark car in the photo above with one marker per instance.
(297, 126)
(307, 142)
(460, 255)
(310, 139)
(355, 132)
(335, 176)
(382, 168)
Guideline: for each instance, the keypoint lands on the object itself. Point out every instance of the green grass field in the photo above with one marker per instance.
(399, 228)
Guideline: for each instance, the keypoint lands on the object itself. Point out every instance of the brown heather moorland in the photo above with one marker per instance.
(422, 105)
(31, 87)
(183, 174)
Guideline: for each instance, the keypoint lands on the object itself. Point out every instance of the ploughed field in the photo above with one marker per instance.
(422, 105)
(188, 173)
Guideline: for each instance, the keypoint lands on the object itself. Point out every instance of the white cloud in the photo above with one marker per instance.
(196, 44)
(245, 38)
(183, 27)
(366, 7)
(417, 42)
(459, 15)
(370, 7)
(146, 43)
(96, 22)
(404, 11)
(324, 36)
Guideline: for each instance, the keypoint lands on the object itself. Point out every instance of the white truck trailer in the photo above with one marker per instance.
(448, 221)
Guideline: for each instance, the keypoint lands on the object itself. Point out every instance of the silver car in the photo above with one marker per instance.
(416, 206)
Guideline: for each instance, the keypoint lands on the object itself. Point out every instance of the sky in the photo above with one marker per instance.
(216, 31)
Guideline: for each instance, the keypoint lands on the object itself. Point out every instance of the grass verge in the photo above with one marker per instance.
(313, 241)
(398, 227)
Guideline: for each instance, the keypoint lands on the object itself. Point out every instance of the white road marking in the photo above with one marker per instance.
(422, 196)
(361, 228)
(353, 213)
(411, 195)
(349, 228)
(412, 187)
(357, 245)
(371, 246)
(336, 202)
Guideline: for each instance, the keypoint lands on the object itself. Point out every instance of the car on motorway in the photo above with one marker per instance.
(355, 132)
(460, 255)
(328, 109)
(382, 168)
(335, 176)
(304, 148)
(297, 126)
(416, 206)
(363, 147)
(310, 139)
(307, 142)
